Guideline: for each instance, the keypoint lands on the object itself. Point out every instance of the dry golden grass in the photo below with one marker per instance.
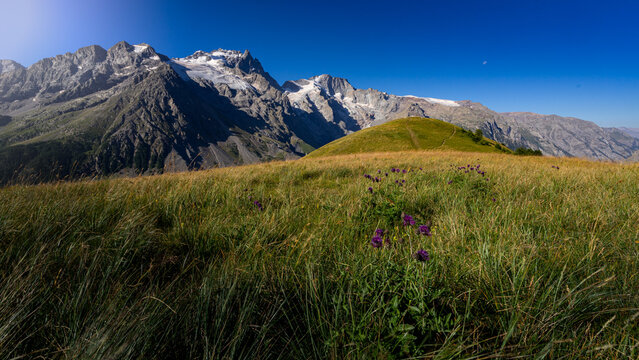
(186, 265)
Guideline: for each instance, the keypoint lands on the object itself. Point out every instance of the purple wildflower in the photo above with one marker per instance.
(404, 171)
(376, 241)
(450, 182)
(422, 255)
(494, 199)
(408, 220)
(379, 232)
(424, 230)
(258, 204)
(370, 189)
(386, 174)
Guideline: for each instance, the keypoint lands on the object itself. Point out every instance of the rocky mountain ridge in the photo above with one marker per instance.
(130, 109)
(634, 132)
(339, 102)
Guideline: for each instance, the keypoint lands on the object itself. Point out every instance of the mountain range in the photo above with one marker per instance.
(130, 109)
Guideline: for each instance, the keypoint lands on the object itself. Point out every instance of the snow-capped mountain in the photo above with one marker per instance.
(130, 109)
(337, 101)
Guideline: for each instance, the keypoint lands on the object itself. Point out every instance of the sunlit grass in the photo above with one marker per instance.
(187, 266)
(413, 133)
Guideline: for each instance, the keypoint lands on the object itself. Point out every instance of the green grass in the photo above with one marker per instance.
(412, 133)
(186, 266)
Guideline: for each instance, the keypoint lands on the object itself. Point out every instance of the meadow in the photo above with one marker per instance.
(411, 133)
(479, 256)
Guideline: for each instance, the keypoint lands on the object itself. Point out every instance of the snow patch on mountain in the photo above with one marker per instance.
(140, 48)
(306, 87)
(435, 101)
(212, 66)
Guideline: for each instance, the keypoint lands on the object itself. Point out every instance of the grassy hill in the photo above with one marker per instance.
(412, 133)
(528, 257)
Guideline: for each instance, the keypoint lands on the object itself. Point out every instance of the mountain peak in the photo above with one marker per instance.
(224, 58)
(333, 85)
(9, 65)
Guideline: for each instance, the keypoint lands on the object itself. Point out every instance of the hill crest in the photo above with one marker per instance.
(410, 133)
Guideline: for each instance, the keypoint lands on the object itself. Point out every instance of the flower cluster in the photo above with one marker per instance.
(376, 179)
(380, 239)
(408, 220)
(422, 255)
(424, 230)
(255, 202)
(468, 169)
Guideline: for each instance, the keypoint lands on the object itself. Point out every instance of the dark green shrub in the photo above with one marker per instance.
(527, 152)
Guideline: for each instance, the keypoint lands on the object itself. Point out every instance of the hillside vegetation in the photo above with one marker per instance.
(522, 256)
(413, 133)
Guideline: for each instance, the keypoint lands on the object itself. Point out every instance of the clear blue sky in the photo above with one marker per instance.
(572, 58)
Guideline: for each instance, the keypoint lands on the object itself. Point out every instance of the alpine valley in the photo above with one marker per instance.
(131, 110)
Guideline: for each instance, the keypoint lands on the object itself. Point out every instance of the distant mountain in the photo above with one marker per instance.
(630, 131)
(9, 65)
(130, 110)
(412, 133)
(336, 101)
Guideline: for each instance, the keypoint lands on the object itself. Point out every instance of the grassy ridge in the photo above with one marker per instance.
(187, 265)
(412, 133)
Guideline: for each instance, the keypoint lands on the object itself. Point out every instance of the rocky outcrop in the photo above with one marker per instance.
(9, 66)
(131, 110)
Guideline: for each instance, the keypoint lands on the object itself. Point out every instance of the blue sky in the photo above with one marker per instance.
(571, 58)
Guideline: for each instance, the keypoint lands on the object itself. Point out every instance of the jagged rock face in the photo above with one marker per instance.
(568, 136)
(9, 65)
(634, 132)
(65, 77)
(129, 109)
(337, 101)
